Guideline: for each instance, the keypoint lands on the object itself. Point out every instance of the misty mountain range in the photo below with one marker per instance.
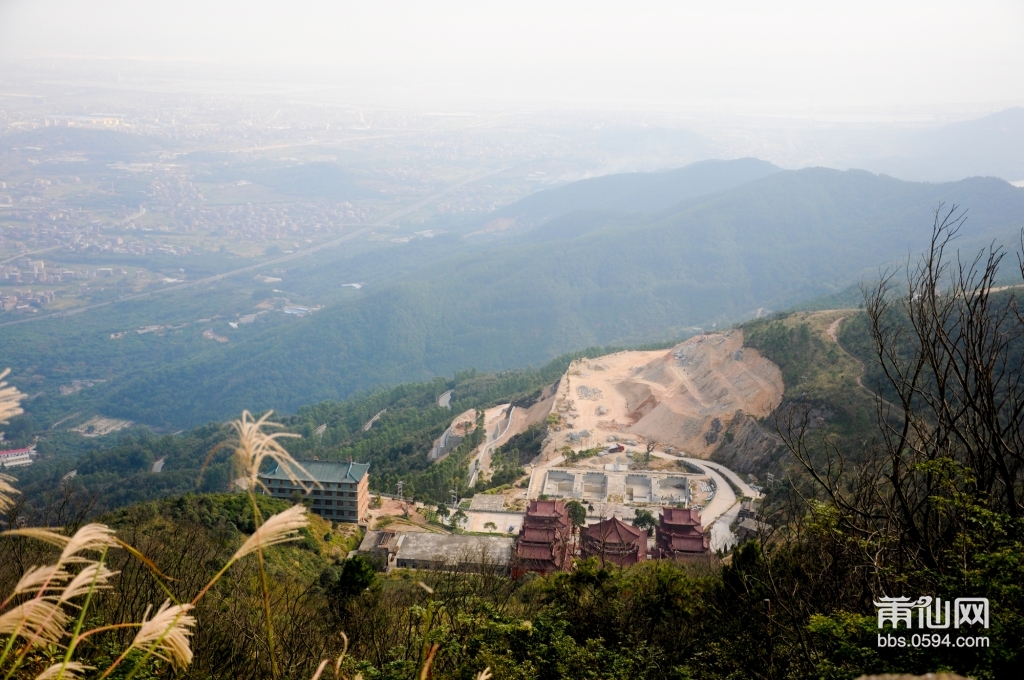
(589, 268)
(992, 146)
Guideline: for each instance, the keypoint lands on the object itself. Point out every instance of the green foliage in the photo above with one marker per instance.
(571, 456)
(457, 519)
(794, 349)
(211, 511)
(577, 513)
(508, 459)
(644, 519)
(342, 583)
(118, 470)
(594, 278)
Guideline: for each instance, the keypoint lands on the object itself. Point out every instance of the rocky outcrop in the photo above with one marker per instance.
(747, 445)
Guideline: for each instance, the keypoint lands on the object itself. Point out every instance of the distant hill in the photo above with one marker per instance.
(637, 192)
(773, 242)
(992, 146)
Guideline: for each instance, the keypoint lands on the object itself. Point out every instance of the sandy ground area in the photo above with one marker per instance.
(503, 423)
(504, 522)
(397, 510)
(98, 426)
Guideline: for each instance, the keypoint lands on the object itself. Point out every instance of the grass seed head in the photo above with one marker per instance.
(94, 577)
(282, 527)
(50, 577)
(253, 446)
(7, 493)
(168, 633)
(10, 399)
(70, 670)
(90, 538)
(40, 620)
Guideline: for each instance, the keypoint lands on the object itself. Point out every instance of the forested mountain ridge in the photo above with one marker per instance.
(769, 243)
(643, 192)
(992, 145)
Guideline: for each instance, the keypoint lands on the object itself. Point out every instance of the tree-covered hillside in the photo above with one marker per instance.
(117, 469)
(770, 243)
(643, 192)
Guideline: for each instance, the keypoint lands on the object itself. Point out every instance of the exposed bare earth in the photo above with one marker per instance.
(683, 397)
(833, 329)
(97, 426)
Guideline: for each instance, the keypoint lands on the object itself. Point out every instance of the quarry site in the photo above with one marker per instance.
(631, 430)
(681, 399)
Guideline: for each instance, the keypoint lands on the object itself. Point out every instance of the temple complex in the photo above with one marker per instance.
(680, 534)
(612, 541)
(544, 540)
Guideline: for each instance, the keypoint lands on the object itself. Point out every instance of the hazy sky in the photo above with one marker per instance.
(742, 56)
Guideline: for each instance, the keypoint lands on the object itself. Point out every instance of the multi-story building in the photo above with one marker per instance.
(612, 541)
(680, 533)
(544, 540)
(339, 492)
(16, 457)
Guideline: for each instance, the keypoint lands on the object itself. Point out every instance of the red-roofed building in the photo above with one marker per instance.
(16, 457)
(544, 540)
(612, 541)
(680, 533)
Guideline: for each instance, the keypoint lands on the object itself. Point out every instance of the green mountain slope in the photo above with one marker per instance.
(772, 242)
(638, 192)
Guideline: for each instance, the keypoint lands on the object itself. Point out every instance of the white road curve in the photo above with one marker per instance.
(724, 497)
(371, 421)
(497, 431)
(724, 509)
(744, 488)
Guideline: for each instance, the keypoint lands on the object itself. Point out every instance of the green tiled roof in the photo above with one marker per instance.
(324, 471)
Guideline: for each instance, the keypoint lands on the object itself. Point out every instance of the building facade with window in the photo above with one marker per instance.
(339, 492)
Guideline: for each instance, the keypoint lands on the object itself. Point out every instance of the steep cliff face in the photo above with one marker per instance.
(688, 396)
(747, 445)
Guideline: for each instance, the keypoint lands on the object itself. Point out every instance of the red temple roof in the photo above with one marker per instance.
(547, 509)
(681, 517)
(688, 543)
(613, 530)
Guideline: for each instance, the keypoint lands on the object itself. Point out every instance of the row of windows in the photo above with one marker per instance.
(341, 513)
(316, 492)
(325, 485)
(351, 504)
(318, 501)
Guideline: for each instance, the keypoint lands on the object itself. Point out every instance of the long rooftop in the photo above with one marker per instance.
(323, 471)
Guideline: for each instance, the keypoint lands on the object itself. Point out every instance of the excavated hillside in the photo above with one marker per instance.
(685, 398)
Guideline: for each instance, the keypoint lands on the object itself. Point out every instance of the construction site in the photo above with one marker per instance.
(630, 430)
(681, 399)
(631, 488)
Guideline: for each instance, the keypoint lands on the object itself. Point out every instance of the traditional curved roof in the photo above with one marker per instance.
(613, 530)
